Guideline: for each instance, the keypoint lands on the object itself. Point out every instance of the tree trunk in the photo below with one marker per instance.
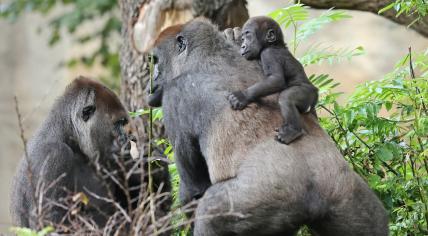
(134, 69)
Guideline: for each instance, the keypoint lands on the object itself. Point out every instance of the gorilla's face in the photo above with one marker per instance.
(155, 88)
(166, 65)
(251, 45)
(99, 122)
(178, 50)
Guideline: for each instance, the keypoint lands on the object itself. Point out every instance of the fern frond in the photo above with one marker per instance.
(317, 55)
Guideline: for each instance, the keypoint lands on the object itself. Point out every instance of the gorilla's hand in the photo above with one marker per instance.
(233, 35)
(238, 100)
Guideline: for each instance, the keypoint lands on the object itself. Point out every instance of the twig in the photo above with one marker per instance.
(359, 138)
(152, 205)
(412, 74)
(117, 205)
(27, 158)
(424, 109)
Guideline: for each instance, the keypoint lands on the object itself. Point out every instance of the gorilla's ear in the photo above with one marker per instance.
(270, 36)
(87, 112)
(181, 43)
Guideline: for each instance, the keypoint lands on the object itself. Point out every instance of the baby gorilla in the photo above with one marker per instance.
(262, 39)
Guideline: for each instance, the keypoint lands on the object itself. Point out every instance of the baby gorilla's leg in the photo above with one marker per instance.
(292, 101)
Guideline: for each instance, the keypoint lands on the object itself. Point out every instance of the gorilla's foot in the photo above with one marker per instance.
(287, 134)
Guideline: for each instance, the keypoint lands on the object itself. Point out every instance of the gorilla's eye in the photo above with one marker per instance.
(181, 43)
(87, 112)
(121, 122)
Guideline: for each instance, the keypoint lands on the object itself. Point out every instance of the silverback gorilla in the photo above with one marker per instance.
(250, 184)
(85, 126)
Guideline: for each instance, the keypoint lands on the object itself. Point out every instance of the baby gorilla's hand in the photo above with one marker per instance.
(238, 100)
(233, 35)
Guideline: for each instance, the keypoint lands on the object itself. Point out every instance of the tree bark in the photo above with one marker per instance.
(372, 6)
(224, 13)
(134, 69)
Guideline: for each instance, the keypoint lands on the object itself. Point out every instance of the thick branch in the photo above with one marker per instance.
(372, 6)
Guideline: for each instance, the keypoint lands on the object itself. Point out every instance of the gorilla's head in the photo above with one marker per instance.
(184, 48)
(257, 34)
(98, 118)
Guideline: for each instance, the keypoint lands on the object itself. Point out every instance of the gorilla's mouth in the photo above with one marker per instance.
(153, 90)
(155, 97)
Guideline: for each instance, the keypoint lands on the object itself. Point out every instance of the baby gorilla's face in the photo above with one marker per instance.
(251, 45)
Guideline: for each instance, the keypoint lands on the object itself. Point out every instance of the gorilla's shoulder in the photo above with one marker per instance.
(197, 79)
(52, 150)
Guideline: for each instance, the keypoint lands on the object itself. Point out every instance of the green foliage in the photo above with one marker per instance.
(297, 15)
(408, 7)
(316, 54)
(381, 129)
(29, 232)
(75, 14)
(157, 113)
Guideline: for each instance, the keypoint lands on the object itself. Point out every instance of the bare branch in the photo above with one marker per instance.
(116, 204)
(420, 26)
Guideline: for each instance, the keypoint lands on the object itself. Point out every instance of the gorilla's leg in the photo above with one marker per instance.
(293, 101)
(360, 213)
(238, 207)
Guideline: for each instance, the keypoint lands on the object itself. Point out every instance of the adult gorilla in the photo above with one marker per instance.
(251, 184)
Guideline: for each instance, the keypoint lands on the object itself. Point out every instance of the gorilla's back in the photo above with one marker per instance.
(276, 187)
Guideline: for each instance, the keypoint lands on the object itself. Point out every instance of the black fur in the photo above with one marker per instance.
(262, 39)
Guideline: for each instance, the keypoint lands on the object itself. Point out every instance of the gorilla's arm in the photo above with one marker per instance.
(273, 83)
(192, 169)
(54, 173)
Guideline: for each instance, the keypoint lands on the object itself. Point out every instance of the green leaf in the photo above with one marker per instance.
(21, 231)
(290, 15)
(46, 231)
(310, 27)
(388, 105)
(390, 6)
(317, 54)
(384, 154)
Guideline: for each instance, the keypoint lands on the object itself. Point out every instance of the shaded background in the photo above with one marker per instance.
(31, 70)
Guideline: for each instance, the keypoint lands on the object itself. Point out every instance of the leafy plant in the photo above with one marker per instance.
(297, 16)
(382, 128)
(408, 7)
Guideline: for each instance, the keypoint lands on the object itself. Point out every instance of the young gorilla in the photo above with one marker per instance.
(85, 127)
(262, 39)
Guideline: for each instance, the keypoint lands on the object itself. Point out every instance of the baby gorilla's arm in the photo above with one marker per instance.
(274, 83)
